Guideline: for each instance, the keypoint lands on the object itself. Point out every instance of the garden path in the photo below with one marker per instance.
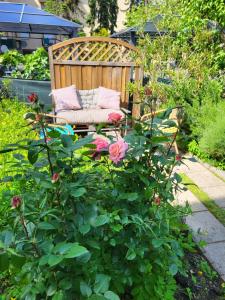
(202, 222)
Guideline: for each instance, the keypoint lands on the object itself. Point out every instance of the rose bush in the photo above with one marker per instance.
(94, 229)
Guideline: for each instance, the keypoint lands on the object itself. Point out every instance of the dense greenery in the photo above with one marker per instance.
(103, 14)
(13, 128)
(66, 8)
(30, 66)
(72, 234)
(185, 66)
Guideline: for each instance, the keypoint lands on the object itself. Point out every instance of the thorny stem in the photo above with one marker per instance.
(48, 152)
(110, 173)
(27, 234)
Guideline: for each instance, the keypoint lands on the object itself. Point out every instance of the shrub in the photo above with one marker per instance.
(213, 138)
(13, 128)
(36, 66)
(30, 66)
(95, 220)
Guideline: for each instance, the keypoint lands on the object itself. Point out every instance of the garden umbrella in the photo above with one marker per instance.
(19, 17)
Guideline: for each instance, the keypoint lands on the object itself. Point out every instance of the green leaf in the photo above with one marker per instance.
(157, 243)
(58, 296)
(84, 229)
(111, 296)
(66, 140)
(85, 289)
(76, 251)
(4, 262)
(100, 220)
(51, 289)
(65, 284)
(101, 283)
(173, 269)
(82, 142)
(129, 196)
(43, 260)
(62, 247)
(54, 260)
(78, 192)
(32, 155)
(46, 226)
(130, 254)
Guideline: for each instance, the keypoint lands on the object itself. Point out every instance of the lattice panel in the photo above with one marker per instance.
(94, 51)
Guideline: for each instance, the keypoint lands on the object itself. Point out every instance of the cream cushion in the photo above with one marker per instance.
(86, 116)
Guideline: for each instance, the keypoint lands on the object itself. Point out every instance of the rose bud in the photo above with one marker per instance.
(16, 201)
(33, 98)
(157, 200)
(38, 118)
(148, 91)
(55, 177)
(178, 157)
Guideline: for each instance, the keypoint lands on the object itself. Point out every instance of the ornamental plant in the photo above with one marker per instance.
(98, 229)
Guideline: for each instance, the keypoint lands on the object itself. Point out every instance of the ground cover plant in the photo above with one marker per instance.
(93, 218)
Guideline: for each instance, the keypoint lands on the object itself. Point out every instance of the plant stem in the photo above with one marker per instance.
(47, 148)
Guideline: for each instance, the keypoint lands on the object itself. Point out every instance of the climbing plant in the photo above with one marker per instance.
(103, 14)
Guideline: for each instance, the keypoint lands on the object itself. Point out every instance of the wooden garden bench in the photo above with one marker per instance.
(91, 62)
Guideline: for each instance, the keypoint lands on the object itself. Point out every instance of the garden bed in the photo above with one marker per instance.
(202, 282)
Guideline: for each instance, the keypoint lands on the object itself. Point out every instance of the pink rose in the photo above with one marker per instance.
(117, 151)
(55, 177)
(101, 144)
(16, 201)
(114, 117)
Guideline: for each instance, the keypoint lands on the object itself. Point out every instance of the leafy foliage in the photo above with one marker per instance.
(36, 66)
(185, 62)
(66, 9)
(98, 230)
(30, 66)
(103, 14)
(12, 130)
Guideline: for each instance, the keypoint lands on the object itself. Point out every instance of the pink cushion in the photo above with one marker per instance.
(108, 98)
(66, 98)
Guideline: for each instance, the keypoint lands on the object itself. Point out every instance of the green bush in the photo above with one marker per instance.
(30, 66)
(213, 137)
(86, 228)
(13, 128)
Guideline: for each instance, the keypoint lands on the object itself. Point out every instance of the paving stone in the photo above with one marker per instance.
(215, 253)
(206, 227)
(217, 194)
(191, 167)
(205, 179)
(187, 196)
